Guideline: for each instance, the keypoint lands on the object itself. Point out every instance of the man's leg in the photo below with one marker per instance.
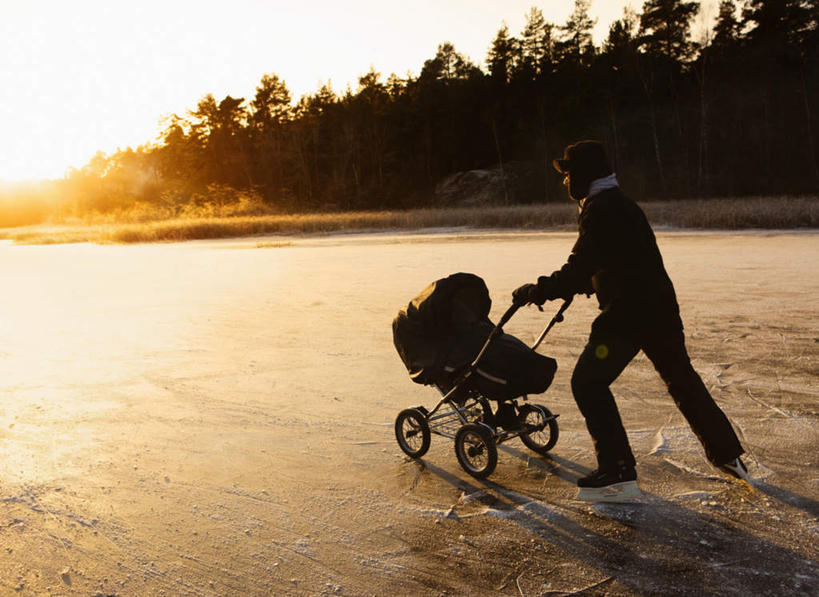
(601, 362)
(668, 354)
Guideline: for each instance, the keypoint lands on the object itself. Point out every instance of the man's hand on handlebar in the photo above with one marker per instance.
(528, 294)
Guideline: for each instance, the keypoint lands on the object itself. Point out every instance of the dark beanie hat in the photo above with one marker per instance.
(588, 157)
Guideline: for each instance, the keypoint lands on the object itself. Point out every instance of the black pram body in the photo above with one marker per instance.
(443, 329)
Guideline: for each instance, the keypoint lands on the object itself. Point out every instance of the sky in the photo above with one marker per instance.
(81, 76)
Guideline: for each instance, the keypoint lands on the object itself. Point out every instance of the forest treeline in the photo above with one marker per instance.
(732, 113)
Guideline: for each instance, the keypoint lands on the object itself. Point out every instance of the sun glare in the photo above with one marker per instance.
(66, 90)
(79, 77)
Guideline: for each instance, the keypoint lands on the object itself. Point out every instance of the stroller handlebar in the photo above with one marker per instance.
(499, 329)
(514, 308)
(508, 315)
(556, 319)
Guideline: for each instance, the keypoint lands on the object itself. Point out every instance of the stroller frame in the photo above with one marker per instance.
(467, 420)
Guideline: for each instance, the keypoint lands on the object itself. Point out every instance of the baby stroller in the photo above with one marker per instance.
(445, 339)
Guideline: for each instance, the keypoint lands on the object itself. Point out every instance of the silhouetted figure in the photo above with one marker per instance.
(617, 258)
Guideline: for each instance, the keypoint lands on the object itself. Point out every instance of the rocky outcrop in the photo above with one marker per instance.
(472, 188)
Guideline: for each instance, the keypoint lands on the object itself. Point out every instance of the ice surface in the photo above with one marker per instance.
(215, 418)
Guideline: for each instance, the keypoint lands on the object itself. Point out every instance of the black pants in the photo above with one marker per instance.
(605, 356)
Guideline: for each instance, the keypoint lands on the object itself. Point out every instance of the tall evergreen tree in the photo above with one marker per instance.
(536, 44)
(779, 27)
(665, 28)
(778, 34)
(619, 59)
(369, 108)
(622, 35)
(812, 36)
(228, 143)
(727, 28)
(272, 102)
(270, 111)
(448, 64)
(503, 59)
(575, 45)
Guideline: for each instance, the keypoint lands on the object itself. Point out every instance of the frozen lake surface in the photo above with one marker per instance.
(215, 418)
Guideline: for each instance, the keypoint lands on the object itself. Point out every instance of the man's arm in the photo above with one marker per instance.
(575, 275)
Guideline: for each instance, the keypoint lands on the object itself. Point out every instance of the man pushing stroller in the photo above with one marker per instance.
(616, 257)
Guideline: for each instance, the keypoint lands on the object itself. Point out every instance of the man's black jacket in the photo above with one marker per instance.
(617, 258)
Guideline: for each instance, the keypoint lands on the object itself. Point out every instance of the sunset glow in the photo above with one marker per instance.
(86, 76)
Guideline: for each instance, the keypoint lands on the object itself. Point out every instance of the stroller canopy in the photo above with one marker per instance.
(442, 330)
(424, 332)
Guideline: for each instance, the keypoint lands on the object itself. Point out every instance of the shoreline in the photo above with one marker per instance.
(696, 216)
(398, 236)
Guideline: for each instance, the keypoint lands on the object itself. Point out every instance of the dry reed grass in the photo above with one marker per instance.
(727, 214)
(771, 213)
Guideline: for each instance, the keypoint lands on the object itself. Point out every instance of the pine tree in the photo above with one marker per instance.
(779, 27)
(576, 44)
(270, 111)
(811, 41)
(448, 65)
(272, 102)
(665, 28)
(503, 58)
(536, 44)
(622, 34)
(727, 27)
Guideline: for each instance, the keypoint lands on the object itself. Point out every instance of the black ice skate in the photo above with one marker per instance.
(619, 485)
(737, 469)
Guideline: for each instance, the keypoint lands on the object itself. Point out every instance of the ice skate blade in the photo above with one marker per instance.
(626, 491)
(741, 482)
(736, 471)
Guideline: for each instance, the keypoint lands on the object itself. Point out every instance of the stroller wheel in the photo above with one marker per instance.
(544, 438)
(412, 432)
(476, 450)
